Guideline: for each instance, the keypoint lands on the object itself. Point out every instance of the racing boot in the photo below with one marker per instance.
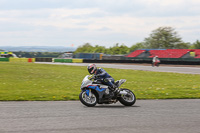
(114, 89)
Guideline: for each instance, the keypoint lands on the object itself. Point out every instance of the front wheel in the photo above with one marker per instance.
(127, 99)
(89, 101)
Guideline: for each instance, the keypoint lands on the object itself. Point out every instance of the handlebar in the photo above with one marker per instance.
(94, 78)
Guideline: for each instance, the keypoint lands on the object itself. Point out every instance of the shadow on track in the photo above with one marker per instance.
(114, 106)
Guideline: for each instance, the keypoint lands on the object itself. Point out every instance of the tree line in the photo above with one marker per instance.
(160, 38)
(37, 54)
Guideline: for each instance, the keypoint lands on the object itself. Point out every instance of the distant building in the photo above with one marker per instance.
(66, 55)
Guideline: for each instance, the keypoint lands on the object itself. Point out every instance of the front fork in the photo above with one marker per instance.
(88, 92)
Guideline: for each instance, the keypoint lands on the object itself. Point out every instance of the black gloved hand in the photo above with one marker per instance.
(97, 76)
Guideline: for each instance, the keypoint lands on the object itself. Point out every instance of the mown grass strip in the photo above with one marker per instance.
(43, 82)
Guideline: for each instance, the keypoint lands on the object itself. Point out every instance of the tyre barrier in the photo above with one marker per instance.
(21, 60)
(63, 60)
(18, 59)
(148, 61)
(43, 59)
(4, 59)
(77, 60)
(115, 61)
(68, 60)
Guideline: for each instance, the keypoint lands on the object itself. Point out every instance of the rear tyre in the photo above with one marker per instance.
(129, 99)
(86, 100)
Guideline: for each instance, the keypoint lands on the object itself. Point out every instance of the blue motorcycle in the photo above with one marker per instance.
(93, 92)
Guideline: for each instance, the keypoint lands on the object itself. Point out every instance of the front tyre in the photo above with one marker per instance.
(89, 101)
(129, 99)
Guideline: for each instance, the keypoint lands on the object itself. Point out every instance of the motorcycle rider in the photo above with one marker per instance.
(155, 61)
(102, 75)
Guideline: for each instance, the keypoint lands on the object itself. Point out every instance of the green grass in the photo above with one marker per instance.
(29, 81)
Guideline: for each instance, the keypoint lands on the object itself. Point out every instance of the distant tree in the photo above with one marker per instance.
(123, 49)
(163, 37)
(136, 46)
(99, 49)
(196, 45)
(182, 46)
(86, 48)
(116, 49)
(37, 54)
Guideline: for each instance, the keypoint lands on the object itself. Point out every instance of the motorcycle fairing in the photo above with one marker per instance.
(100, 91)
(96, 87)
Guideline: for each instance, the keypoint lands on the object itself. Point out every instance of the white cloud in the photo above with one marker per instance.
(106, 22)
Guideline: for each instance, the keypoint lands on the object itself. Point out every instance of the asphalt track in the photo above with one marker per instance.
(165, 68)
(146, 116)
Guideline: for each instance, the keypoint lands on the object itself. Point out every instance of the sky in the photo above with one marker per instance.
(72, 23)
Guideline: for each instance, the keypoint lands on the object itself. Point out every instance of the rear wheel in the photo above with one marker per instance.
(89, 101)
(129, 99)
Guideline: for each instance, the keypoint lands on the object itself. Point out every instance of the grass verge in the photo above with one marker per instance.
(43, 82)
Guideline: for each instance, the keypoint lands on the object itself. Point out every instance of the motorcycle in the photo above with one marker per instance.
(93, 92)
(156, 63)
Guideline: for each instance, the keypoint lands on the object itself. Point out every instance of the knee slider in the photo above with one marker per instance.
(106, 80)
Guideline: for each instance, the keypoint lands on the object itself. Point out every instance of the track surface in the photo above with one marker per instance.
(146, 116)
(175, 69)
